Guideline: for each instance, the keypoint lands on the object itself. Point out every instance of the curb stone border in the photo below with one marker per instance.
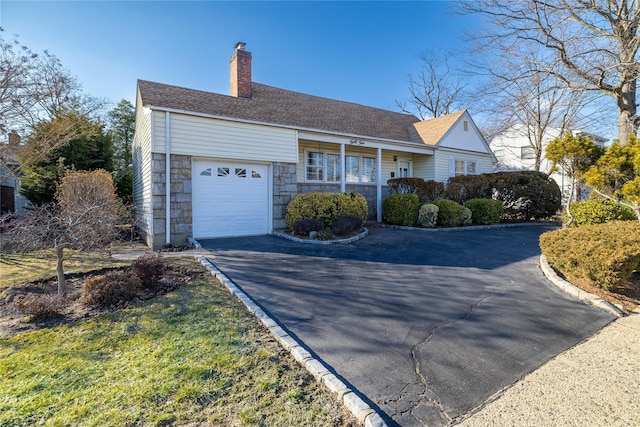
(466, 227)
(365, 415)
(584, 296)
(357, 237)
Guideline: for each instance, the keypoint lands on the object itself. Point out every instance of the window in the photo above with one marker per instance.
(499, 154)
(466, 125)
(206, 172)
(314, 163)
(325, 167)
(333, 167)
(459, 167)
(223, 171)
(368, 169)
(527, 153)
(352, 169)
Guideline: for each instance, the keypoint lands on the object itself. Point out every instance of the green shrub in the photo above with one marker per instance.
(605, 255)
(401, 209)
(465, 216)
(428, 215)
(326, 207)
(598, 211)
(524, 194)
(485, 211)
(449, 213)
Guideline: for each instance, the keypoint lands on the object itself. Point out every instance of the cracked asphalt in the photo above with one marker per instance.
(425, 325)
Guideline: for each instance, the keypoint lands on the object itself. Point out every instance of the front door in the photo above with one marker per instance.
(404, 168)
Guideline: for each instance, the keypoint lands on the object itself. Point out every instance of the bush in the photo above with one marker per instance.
(326, 207)
(449, 213)
(40, 306)
(346, 224)
(110, 289)
(401, 209)
(524, 194)
(598, 211)
(148, 268)
(605, 255)
(428, 215)
(304, 226)
(465, 216)
(485, 211)
(425, 190)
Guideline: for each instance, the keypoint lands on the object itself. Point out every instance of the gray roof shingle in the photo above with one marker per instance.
(283, 107)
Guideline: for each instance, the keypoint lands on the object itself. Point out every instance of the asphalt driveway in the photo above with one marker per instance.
(427, 325)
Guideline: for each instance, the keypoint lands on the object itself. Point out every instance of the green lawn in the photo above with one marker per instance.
(191, 357)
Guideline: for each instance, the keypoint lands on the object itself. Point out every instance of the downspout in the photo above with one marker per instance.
(167, 180)
(379, 185)
(342, 170)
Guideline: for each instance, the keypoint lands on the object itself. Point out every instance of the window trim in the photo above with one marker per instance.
(465, 165)
(530, 155)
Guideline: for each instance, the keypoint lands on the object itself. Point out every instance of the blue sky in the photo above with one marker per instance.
(354, 51)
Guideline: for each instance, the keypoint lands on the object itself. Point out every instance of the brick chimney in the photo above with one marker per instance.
(241, 72)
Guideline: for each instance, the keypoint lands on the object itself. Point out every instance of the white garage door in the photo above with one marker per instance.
(230, 199)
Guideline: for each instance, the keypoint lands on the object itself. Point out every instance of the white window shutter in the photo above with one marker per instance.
(452, 167)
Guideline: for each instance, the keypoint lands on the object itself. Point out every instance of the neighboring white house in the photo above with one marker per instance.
(513, 151)
(237, 160)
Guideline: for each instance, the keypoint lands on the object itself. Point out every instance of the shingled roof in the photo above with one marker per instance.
(432, 131)
(283, 107)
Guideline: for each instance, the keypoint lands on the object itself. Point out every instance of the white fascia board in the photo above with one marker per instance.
(315, 134)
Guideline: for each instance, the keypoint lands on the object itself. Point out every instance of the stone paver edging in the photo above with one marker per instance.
(323, 242)
(575, 291)
(461, 228)
(366, 415)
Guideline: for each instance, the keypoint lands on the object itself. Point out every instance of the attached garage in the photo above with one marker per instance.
(230, 198)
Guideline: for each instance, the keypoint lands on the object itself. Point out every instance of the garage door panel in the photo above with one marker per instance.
(230, 199)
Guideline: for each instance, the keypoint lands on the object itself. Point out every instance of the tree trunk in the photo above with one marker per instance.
(568, 223)
(627, 110)
(62, 283)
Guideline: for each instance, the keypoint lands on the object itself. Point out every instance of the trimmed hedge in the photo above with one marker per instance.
(428, 215)
(485, 211)
(327, 207)
(598, 211)
(449, 213)
(401, 209)
(605, 255)
(524, 194)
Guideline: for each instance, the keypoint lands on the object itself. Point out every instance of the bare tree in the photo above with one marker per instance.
(435, 91)
(586, 45)
(517, 97)
(84, 217)
(34, 88)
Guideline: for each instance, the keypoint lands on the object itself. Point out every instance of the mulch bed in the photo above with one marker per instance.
(13, 321)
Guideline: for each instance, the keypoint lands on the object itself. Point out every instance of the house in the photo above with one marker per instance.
(237, 160)
(10, 198)
(513, 151)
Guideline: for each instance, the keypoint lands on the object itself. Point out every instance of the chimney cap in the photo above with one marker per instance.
(240, 46)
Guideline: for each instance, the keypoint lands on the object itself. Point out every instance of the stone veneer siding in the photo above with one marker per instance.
(368, 191)
(181, 199)
(284, 190)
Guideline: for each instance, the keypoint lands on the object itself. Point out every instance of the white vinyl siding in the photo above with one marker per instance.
(141, 152)
(198, 136)
(423, 167)
(444, 160)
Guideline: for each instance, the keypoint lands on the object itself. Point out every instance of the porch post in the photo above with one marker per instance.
(342, 170)
(379, 185)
